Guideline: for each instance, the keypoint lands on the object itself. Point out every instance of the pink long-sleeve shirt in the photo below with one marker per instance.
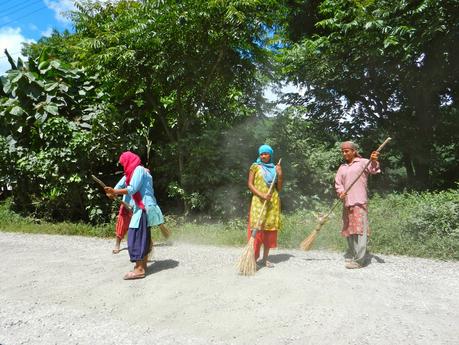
(347, 173)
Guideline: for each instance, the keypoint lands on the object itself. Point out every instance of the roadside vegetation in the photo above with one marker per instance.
(413, 224)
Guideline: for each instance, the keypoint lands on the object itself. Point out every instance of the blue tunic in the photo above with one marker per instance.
(142, 182)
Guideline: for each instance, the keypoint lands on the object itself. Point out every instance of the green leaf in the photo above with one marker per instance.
(52, 109)
(7, 85)
(41, 117)
(390, 41)
(16, 76)
(51, 86)
(63, 87)
(17, 111)
(85, 125)
(55, 63)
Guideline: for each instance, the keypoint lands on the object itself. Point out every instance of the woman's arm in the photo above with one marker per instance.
(133, 187)
(339, 185)
(111, 192)
(280, 177)
(373, 167)
(250, 184)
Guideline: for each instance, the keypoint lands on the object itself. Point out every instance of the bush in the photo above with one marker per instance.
(13, 222)
(419, 224)
(414, 224)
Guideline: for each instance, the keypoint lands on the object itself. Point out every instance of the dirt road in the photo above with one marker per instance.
(69, 290)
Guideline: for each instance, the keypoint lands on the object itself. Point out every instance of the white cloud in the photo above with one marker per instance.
(61, 8)
(11, 39)
(33, 27)
(48, 32)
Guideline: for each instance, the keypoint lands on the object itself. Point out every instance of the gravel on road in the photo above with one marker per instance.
(69, 290)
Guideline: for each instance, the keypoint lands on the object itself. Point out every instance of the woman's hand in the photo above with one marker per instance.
(110, 192)
(374, 156)
(267, 196)
(279, 170)
(342, 195)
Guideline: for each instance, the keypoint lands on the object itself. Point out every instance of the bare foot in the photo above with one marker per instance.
(116, 250)
(268, 264)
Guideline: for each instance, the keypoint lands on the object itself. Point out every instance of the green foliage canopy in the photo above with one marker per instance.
(382, 67)
(47, 111)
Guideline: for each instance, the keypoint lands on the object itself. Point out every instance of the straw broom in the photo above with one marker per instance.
(165, 231)
(308, 241)
(247, 265)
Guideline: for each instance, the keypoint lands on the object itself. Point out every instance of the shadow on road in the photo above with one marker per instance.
(161, 265)
(276, 258)
(376, 258)
(163, 244)
(317, 259)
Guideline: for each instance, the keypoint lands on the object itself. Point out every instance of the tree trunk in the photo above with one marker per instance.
(182, 127)
(181, 168)
(408, 167)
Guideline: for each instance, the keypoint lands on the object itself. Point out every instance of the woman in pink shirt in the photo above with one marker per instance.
(355, 201)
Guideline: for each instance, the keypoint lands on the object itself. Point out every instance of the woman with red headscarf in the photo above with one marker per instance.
(137, 183)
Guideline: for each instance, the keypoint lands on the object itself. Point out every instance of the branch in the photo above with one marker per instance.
(10, 59)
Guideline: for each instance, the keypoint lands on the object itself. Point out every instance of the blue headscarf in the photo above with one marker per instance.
(268, 169)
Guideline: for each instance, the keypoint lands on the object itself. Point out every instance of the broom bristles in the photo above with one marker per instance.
(165, 231)
(308, 241)
(247, 265)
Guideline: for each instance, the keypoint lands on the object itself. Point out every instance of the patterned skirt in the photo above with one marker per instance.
(355, 220)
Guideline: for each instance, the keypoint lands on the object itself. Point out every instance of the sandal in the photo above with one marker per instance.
(132, 275)
(116, 251)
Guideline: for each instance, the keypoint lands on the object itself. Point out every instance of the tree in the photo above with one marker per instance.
(387, 67)
(46, 137)
(179, 69)
(169, 80)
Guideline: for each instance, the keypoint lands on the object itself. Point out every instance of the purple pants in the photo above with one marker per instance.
(139, 240)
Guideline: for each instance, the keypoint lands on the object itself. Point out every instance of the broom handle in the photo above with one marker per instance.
(266, 201)
(337, 202)
(103, 185)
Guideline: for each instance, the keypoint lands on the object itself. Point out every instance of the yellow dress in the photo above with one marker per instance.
(271, 216)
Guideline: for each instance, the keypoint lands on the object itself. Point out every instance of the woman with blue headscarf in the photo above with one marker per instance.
(261, 174)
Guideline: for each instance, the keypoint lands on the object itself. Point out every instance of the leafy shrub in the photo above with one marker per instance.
(434, 215)
(414, 224)
(420, 224)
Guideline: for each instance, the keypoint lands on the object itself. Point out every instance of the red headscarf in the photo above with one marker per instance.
(130, 161)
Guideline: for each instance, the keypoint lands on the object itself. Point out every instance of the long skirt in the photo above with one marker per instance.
(355, 221)
(263, 237)
(267, 238)
(122, 222)
(356, 229)
(139, 240)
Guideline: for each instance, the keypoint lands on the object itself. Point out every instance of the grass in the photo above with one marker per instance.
(414, 224)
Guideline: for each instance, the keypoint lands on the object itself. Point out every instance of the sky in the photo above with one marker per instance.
(28, 21)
